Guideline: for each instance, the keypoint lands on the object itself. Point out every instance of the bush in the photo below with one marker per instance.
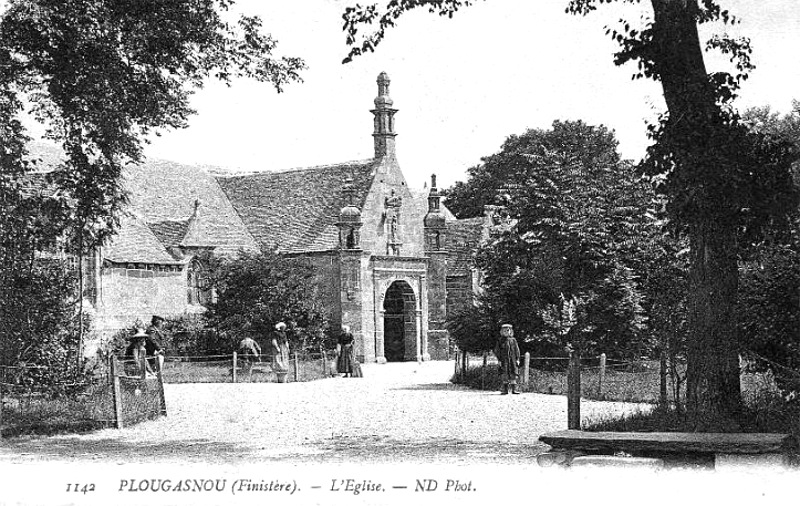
(39, 324)
(258, 290)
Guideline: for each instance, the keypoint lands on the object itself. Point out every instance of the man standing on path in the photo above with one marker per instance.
(155, 339)
(507, 352)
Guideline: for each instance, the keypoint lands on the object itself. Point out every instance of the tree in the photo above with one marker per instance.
(102, 75)
(561, 267)
(722, 182)
(258, 290)
(769, 301)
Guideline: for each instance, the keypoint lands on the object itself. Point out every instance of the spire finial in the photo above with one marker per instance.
(349, 190)
(384, 119)
(433, 180)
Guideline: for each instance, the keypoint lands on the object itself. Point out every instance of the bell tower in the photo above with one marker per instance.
(384, 133)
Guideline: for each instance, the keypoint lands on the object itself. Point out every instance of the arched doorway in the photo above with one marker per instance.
(400, 323)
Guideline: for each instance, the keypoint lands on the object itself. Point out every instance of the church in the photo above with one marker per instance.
(391, 261)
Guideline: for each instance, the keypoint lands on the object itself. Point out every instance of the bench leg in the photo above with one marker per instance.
(561, 458)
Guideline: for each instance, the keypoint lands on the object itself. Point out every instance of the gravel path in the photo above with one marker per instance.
(398, 412)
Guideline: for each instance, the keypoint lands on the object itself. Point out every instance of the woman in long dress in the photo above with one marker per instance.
(344, 350)
(280, 357)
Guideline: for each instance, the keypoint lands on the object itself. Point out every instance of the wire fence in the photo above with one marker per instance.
(30, 407)
(641, 381)
(121, 391)
(236, 368)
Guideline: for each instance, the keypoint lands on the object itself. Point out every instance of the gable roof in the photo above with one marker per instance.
(297, 210)
(162, 197)
(463, 238)
(136, 243)
(164, 194)
(169, 232)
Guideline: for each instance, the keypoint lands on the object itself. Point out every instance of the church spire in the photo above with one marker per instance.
(384, 133)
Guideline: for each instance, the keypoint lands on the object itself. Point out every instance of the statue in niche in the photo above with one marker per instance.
(393, 201)
(393, 229)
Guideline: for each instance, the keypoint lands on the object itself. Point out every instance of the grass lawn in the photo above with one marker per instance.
(38, 414)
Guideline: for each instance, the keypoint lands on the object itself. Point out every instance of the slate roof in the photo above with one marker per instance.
(463, 238)
(169, 232)
(164, 194)
(136, 243)
(162, 198)
(297, 210)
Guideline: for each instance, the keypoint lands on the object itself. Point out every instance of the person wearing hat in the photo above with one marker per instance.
(155, 337)
(507, 351)
(280, 350)
(135, 352)
(344, 352)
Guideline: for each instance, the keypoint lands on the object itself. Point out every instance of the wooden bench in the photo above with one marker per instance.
(715, 450)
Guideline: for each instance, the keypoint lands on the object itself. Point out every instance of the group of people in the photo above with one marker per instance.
(144, 347)
(250, 352)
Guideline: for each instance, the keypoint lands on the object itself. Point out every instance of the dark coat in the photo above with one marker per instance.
(154, 341)
(344, 363)
(507, 352)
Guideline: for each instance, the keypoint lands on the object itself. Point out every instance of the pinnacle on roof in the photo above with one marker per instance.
(349, 213)
(383, 98)
(434, 218)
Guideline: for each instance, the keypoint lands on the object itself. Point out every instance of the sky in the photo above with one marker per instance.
(461, 85)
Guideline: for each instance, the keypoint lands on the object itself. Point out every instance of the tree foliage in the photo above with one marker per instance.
(258, 290)
(560, 265)
(723, 183)
(101, 76)
(39, 323)
(769, 301)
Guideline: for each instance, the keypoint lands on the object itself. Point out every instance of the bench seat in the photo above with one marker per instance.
(670, 442)
(715, 448)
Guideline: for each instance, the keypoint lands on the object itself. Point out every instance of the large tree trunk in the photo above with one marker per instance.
(712, 377)
(713, 389)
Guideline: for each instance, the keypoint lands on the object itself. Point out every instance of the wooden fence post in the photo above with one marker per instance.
(2, 385)
(464, 364)
(160, 377)
(526, 366)
(235, 361)
(456, 364)
(483, 370)
(296, 367)
(574, 392)
(143, 366)
(663, 375)
(602, 376)
(324, 362)
(117, 393)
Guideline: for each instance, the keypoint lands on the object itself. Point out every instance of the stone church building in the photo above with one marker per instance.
(391, 261)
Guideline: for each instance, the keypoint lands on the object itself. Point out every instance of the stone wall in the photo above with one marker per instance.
(374, 231)
(127, 294)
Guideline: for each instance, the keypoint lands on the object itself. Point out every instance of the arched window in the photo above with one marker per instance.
(197, 286)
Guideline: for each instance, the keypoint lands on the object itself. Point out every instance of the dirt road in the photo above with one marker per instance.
(400, 412)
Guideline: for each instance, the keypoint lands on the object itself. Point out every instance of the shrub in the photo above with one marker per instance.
(39, 324)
